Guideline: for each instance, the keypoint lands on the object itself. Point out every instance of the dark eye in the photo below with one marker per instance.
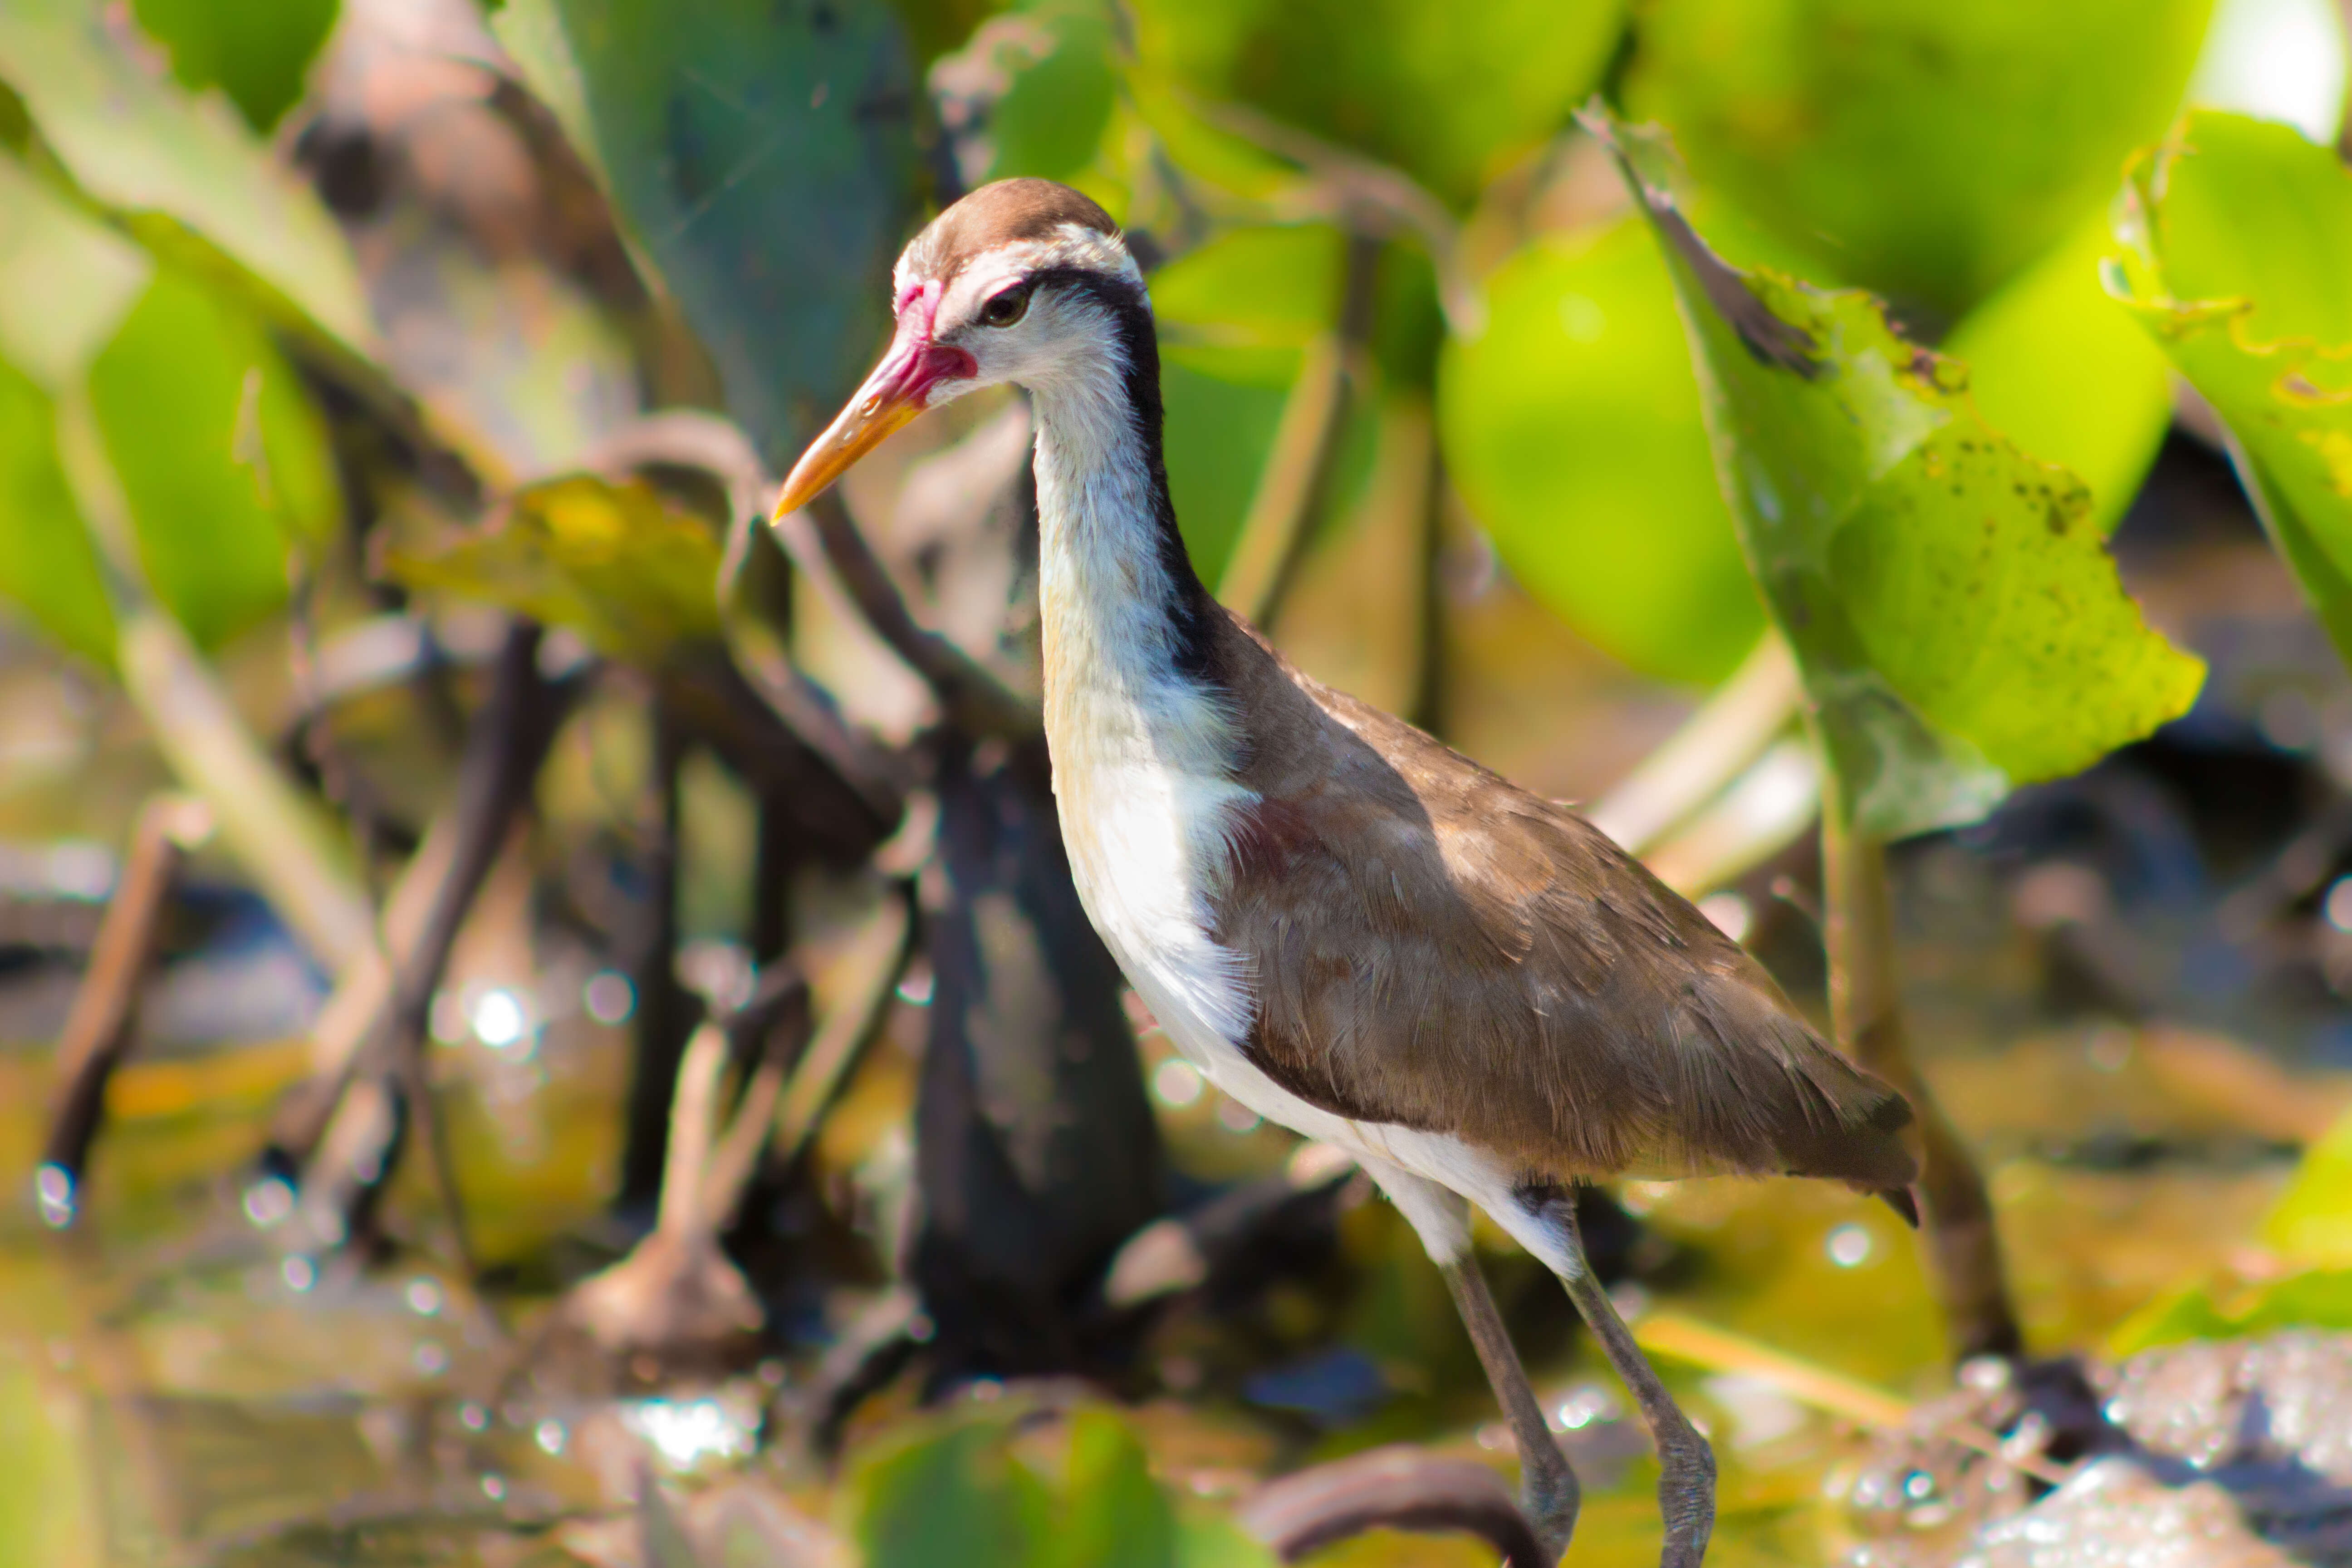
(1006, 308)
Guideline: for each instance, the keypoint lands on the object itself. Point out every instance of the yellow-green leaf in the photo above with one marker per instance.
(614, 563)
(1955, 614)
(2236, 254)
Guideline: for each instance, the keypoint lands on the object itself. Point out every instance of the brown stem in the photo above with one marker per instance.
(665, 1010)
(97, 1032)
(821, 536)
(510, 737)
(362, 992)
(1866, 1010)
(1394, 1489)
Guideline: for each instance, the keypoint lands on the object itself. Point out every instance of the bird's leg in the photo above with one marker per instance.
(1686, 1464)
(1547, 1485)
(1441, 1219)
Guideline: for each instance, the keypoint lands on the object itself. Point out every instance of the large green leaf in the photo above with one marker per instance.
(66, 284)
(2237, 256)
(614, 563)
(1572, 425)
(49, 568)
(186, 175)
(764, 158)
(1925, 150)
(1236, 316)
(1955, 614)
(955, 1495)
(221, 456)
(258, 54)
(2061, 369)
(1035, 89)
(1448, 93)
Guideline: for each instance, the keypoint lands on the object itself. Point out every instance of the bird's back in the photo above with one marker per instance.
(1433, 947)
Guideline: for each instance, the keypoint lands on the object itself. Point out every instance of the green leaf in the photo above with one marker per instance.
(2061, 369)
(2237, 256)
(1113, 1513)
(48, 567)
(1927, 151)
(52, 1502)
(614, 563)
(1450, 94)
(221, 456)
(1955, 614)
(2316, 1298)
(1572, 426)
(65, 280)
(1051, 68)
(185, 174)
(2312, 1222)
(1235, 318)
(258, 54)
(953, 1495)
(764, 159)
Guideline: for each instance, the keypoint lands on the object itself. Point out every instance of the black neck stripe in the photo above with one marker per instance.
(1191, 608)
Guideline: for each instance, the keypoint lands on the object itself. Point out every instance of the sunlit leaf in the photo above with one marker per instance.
(2312, 1222)
(65, 280)
(1955, 614)
(1448, 93)
(955, 1495)
(186, 175)
(1926, 151)
(2236, 236)
(258, 54)
(1114, 1515)
(764, 160)
(1235, 318)
(1572, 425)
(2061, 369)
(2316, 1299)
(220, 453)
(1040, 84)
(611, 561)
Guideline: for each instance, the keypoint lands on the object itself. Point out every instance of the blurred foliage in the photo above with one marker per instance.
(1448, 94)
(1956, 616)
(1572, 425)
(764, 160)
(632, 575)
(965, 1489)
(2233, 235)
(256, 54)
(1926, 151)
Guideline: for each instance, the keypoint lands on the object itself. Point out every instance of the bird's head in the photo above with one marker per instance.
(1019, 281)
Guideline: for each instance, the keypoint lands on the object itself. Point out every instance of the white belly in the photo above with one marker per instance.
(1141, 846)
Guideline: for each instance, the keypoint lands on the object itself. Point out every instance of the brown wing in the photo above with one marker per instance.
(1436, 947)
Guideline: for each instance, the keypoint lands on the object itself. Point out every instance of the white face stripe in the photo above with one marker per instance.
(1072, 245)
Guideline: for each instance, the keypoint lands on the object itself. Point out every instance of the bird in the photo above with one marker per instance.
(1354, 931)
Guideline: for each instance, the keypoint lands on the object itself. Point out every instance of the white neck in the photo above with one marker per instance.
(1143, 751)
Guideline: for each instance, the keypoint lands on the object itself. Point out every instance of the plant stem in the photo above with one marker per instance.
(98, 1031)
(1291, 488)
(1866, 1011)
(1730, 730)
